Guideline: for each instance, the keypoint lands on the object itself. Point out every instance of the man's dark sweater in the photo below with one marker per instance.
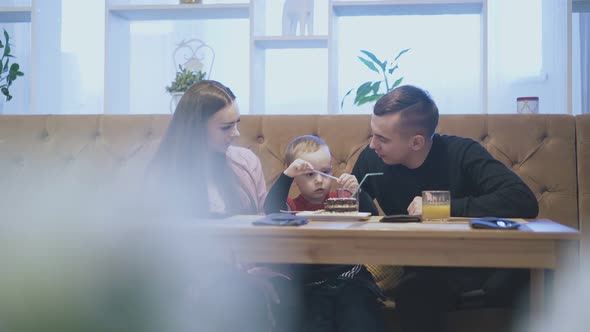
(479, 184)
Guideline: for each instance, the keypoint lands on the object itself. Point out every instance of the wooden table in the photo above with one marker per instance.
(537, 245)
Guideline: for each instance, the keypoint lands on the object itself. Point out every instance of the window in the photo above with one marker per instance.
(444, 56)
(82, 56)
(296, 81)
(472, 56)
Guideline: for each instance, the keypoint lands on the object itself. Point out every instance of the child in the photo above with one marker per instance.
(336, 297)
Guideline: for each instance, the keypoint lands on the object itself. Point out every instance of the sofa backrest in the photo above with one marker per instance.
(583, 150)
(541, 149)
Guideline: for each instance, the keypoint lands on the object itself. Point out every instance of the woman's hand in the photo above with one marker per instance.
(348, 182)
(298, 167)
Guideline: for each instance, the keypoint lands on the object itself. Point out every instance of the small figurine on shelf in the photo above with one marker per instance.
(297, 12)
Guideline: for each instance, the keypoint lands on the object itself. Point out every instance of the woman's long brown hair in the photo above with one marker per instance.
(180, 169)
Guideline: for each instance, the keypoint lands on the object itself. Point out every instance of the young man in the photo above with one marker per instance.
(414, 158)
(337, 298)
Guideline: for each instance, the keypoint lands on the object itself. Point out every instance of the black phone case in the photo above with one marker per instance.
(493, 223)
(400, 218)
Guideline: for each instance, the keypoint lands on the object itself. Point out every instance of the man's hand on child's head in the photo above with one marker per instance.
(298, 167)
(348, 182)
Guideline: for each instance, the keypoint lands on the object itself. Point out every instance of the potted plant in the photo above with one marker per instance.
(373, 90)
(185, 77)
(8, 72)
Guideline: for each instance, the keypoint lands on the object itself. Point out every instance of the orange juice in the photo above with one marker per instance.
(436, 212)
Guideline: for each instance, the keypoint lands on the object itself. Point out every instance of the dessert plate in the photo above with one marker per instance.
(322, 215)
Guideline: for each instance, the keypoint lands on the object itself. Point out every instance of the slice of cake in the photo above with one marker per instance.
(340, 205)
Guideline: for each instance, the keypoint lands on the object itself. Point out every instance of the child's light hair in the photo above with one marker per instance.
(303, 144)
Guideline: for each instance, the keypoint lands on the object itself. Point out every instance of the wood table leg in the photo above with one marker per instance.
(537, 292)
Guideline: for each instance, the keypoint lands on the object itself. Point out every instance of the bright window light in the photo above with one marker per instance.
(444, 56)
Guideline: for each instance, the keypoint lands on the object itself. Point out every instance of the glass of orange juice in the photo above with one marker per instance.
(436, 205)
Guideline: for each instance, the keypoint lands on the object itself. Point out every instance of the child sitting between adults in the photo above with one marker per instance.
(336, 297)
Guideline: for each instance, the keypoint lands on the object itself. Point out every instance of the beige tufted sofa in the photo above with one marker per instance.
(551, 153)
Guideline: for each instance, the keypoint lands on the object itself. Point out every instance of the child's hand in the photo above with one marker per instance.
(298, 167)
(348, 182)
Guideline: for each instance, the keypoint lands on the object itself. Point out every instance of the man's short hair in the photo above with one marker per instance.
(303, 144)
(418, 112)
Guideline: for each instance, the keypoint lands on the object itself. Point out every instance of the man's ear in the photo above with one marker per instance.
(417, 142)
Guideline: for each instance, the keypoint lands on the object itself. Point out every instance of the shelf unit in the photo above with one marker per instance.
(120, 16)
(180, 12)
(581, 6)
(275, 42)
(15, 14)
(406, 7)
(118, 22)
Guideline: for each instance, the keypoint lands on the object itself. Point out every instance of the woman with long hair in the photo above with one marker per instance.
(197, 174)
(196, 168)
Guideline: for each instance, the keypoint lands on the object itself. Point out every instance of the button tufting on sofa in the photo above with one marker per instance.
(508, 138)
(543, 138)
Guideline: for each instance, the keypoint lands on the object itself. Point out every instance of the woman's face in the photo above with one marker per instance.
(222, 128)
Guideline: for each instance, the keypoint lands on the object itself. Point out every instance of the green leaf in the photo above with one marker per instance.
(364, 89)
(369, 64)
(376, 86)
(361, 96)
(370, 99)
(398, 82)
(346, 95)
(375, 60)
(401, 53)
(8, 72)
(391, 70)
